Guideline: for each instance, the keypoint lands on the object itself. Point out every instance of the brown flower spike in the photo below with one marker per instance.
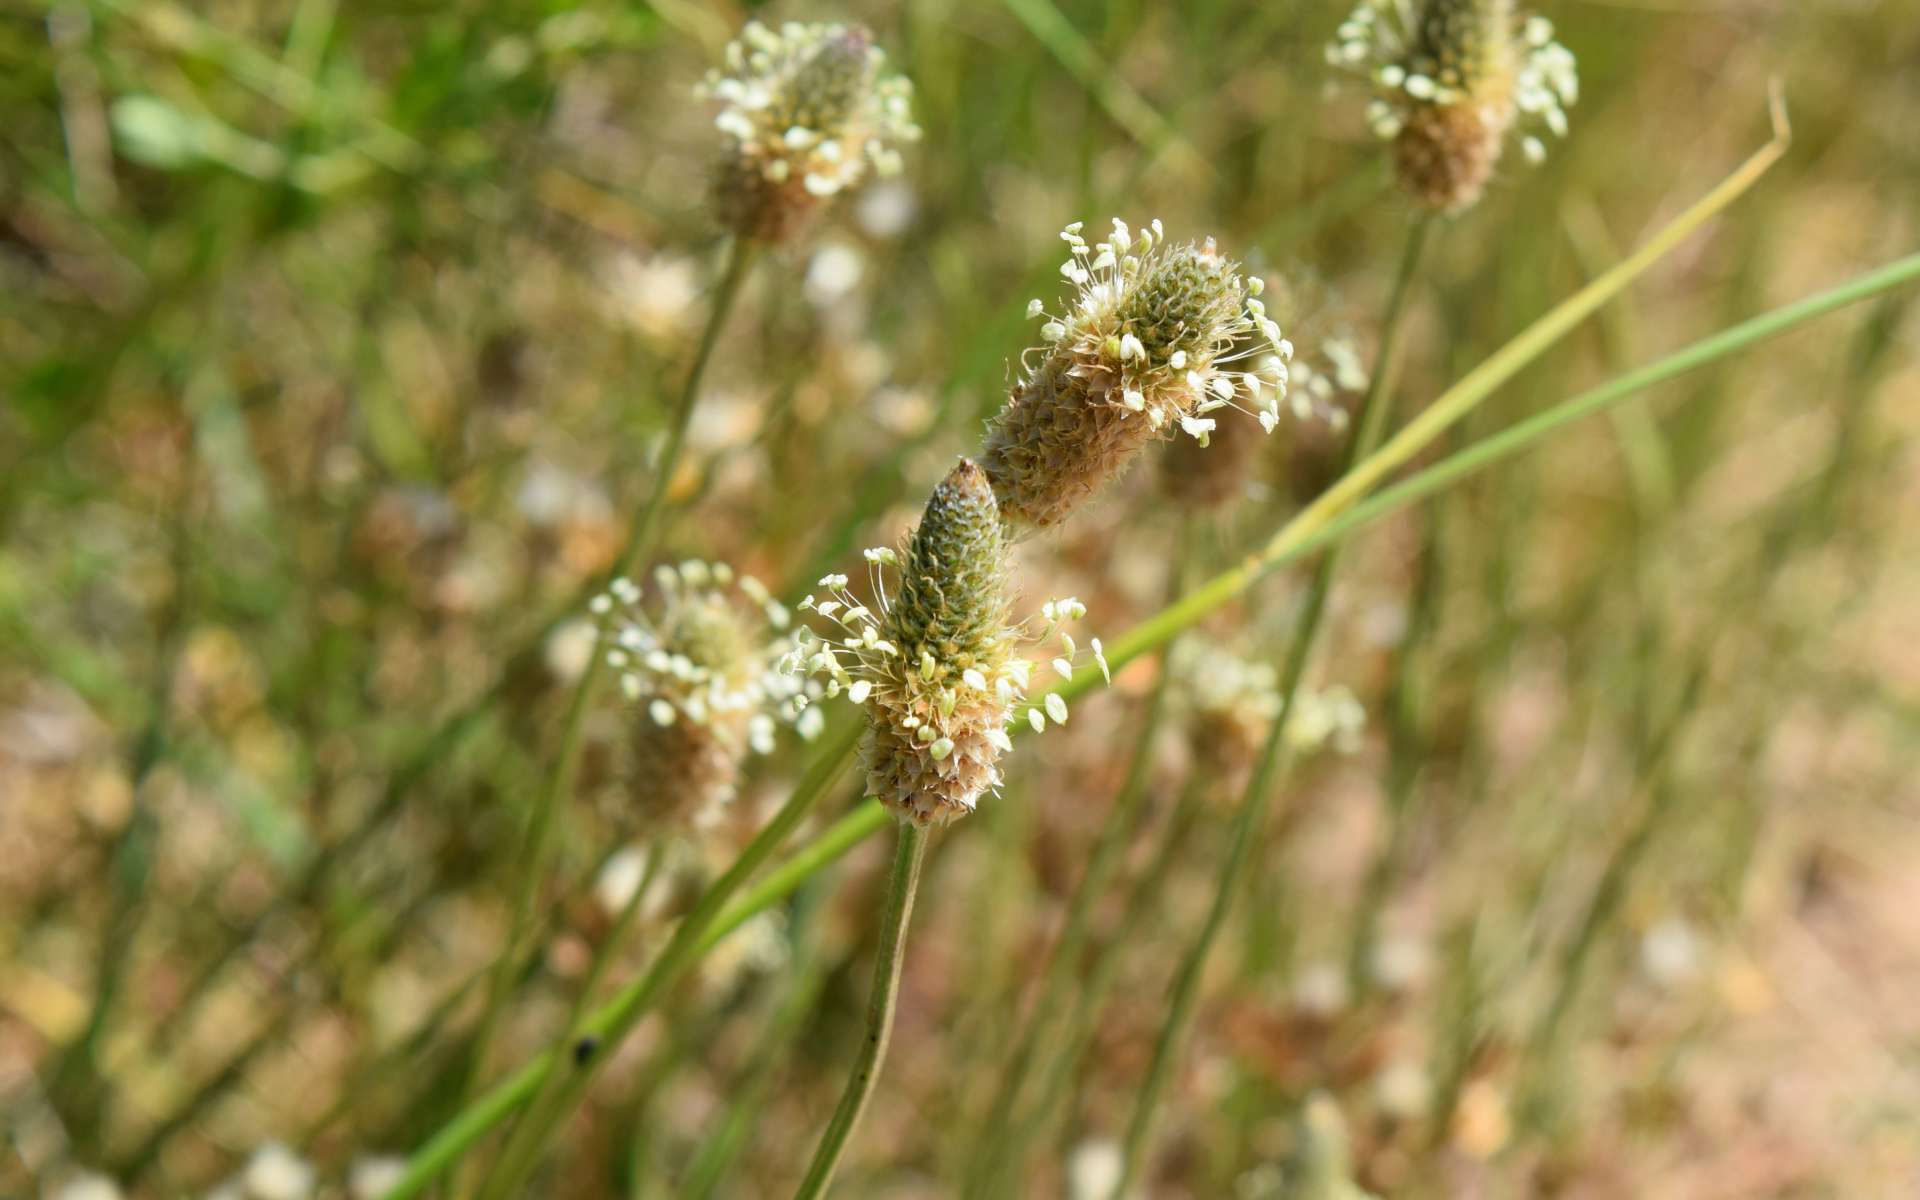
(1147, 350)
(701, 662)
(937, 667)
(807, 112)
(1451, 79)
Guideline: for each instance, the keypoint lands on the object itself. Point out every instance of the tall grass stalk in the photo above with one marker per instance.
(1122, 823)
(77, 1081)
(1250, 818)
(1405, 754)
(612, 1022)
(896, 915)
(1544, 1059)
(539, 838)
(1124, 105)
(748, 1095)
(572, 1032)
(1076, 1032)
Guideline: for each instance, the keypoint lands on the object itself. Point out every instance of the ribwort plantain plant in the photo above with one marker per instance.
(1331, 516)
(1153, 342)
(808, 111)
(1451, 81)
(805, 111)
(935, 668)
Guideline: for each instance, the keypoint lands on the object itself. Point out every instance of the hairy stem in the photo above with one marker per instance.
(909, 853)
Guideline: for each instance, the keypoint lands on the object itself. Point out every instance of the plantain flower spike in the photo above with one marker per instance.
(937, 668)
(1151, 345)
(1451, 79)
(1231, 703)
(806, 111)
(701, 663)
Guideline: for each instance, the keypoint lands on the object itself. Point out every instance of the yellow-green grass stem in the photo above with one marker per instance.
(1128, 109)
(1143, 904)
(612, 1022)
(573, 1030)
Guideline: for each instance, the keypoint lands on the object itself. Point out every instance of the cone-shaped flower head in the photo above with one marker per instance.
(700, 660)
(937, 668)
(806, 112)
(1150, 345)
(1451, 79)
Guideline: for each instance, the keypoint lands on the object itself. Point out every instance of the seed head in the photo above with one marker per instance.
(1147, 348)
(937, 667)
(1451, 79)
(1232, 703)
(699, 662)
(805, 112)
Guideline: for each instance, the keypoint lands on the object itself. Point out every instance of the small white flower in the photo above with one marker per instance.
(1198, 427)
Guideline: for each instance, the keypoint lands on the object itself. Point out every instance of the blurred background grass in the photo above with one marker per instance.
(335, 337)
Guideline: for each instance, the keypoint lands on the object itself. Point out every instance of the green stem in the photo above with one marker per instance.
(1406, 751)
(613, 1021)
(540, 822)
(1129, 808)
(748, 1095)
(909, 853)
(1078, 1029)
(856, 826)
(1274, 756)
(1608, 894)
(572, 1032)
